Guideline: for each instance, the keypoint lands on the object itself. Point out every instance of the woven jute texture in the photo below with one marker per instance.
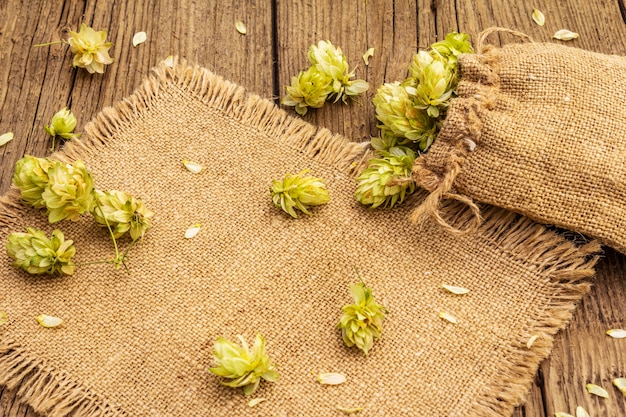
(140, 343)
(539, 129)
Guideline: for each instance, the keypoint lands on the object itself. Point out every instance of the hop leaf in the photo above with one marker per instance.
(68, 193)
(62, 124)
(299, 192)
(309, 89)
(35, 253)
(90, 49)
(362, 321)
(31, 178)
(381, 183)
(245, 367)
(123, 212)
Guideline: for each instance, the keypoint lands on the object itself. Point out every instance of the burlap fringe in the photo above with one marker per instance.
(57, 394)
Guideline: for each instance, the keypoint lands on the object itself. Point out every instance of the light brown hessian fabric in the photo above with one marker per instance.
(140, 343)
(549, 127)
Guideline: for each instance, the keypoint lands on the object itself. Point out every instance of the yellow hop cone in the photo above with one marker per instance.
(309, 89)
(362, 322)
(36, 254)
(299, 192)
(62, 124)
(31, 178)
(123, 212)
(454, 45)
(68, 193)
(435, 82)
(90, 49)
(244, 367)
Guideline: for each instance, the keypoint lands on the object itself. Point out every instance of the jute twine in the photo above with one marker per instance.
(140, 343)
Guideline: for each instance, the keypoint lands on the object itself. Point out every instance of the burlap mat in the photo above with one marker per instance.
(139, 344)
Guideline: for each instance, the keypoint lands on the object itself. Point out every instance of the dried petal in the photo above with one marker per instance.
(192, 231)
(620, 383)
(455, 290)
(565, 35)
(349, 410)
(448, 317)
(192, 166)
(538, 17)
(561, 414)
(169, 61)
(581, 412)
(531, 341)
(617, 333)
(49, 321)
(5, 138)
(139, 38)
(4, 319)
(241, 28)
(331, 378)
(597, 390)
(366, 56)
(256, 401)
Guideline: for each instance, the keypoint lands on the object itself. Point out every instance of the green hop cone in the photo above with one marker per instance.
(309, 89)
(31, 178)
(435, 82)
(123, 212)
(361, 322)
(398, 113)
(454, 45)
(299, 192)
(386, 180)
(68, 193)
(36, 254)
(62, 124)
(245, 367)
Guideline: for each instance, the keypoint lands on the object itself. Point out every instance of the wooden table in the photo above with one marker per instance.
(35, 82)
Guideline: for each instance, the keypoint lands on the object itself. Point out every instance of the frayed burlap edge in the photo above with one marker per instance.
(568, 267)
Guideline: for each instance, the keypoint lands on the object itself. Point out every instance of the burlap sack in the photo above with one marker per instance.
(140, 343)
(539, 129)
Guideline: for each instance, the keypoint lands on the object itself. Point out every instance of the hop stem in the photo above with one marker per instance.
(117, 260)
(48, 44)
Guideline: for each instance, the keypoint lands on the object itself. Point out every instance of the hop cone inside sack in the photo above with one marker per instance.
(299, 192)
(36, 254)
(361, 322)
(123, 212)
(386, 180)
(244, 367)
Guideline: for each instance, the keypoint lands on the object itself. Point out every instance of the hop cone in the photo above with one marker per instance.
(62, 124)
(68, 193)
(31, 177)
(378, 184)
(299, 192)
(454, 45)
(397, 111)
(309, 89)
(435, 82)
(123, 212)
(36, 254)
(362, 321)
(244, 366)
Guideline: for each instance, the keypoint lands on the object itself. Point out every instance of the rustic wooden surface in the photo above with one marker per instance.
(37, 82)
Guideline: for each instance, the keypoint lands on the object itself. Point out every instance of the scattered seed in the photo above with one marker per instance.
(617, 333)
(597, 390)
(367, 55)
(192, 231)
(620, 383)
(581, 412)
(192, 166)
(48, 321)
(139, 38)
(4, 319)
(331, 378)
(169, 61)
(565, 35)
(455, 290)
(241, 28)
(448, 317)
(538, 17)
(349, 410)
(6, 138)
(531, 341)
(256, 401)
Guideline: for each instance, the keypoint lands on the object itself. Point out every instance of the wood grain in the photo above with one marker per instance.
(35, 82)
